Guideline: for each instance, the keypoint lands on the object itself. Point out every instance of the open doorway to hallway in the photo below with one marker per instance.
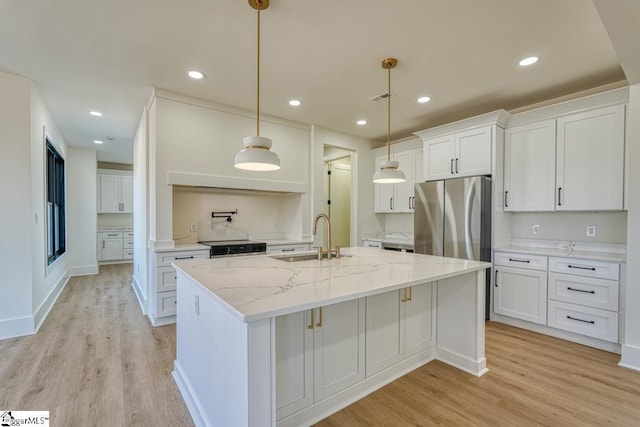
(337, 193)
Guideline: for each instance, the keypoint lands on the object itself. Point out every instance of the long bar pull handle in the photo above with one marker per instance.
(319, 324)
(519, 260)
(184, 257)
(506, 199)
(390, 202)
(582, 268)
(310, 325)
(410, 293)
(457, 170)
(580, 290)
(103, 244)
(410, 202)
(581, 320)
(559, 196)
(495, 279)
(404, 295)
(451, 167)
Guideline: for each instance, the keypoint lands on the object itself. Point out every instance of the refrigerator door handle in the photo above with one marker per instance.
(468, 238)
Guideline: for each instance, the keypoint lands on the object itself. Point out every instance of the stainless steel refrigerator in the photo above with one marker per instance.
(452, 218)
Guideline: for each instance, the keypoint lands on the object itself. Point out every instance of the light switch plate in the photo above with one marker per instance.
(591, 230)
(194, 228)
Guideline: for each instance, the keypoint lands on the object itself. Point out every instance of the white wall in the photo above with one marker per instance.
(363, 218)
(140, 210)
(15, 226)
(631, 343)
(81, 212)
(611, 226)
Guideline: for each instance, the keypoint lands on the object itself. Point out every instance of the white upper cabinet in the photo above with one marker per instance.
(530, 167)
(572, 163)
(465, 153)
(590, 161)
(399, 197)
(115, 191)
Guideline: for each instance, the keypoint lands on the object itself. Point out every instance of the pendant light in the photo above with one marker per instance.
(256, 155)
(389, 172)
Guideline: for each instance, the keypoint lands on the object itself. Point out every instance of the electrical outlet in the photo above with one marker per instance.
(591, 230)
(535, 229)
(194, 227)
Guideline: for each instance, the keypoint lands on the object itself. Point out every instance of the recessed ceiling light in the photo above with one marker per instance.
(196, 75)
(528, 61)
(361, 122)
(97, 141)
(424, 99)
(295, 102)
(95, 113)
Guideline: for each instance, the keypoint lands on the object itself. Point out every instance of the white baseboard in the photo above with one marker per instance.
(137, 289)
(17, 327)
(630, 357)
(161, 321)
(42, 312)
(473, 367)
(198, 415)
(84, 270)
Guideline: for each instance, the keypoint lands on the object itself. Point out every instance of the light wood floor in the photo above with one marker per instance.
(97, 362)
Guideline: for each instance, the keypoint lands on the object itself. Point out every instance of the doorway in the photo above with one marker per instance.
(337, 194)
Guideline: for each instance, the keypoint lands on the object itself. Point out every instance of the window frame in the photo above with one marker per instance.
(54, 203)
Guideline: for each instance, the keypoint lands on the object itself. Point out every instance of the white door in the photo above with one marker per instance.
(419, 323)
(338, 194)
(126, 194)
(339, 340)
(384, 335)
(530, 167)
(383, 192)
(111, 249)
(403, 195)
(521, 293)
(294, 363)
(590, 172)
(109, 194)
(473, 152)
(439, 156)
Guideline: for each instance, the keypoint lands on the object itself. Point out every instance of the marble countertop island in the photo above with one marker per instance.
(260, 287)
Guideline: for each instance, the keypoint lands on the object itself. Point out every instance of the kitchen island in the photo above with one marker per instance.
(263, 341)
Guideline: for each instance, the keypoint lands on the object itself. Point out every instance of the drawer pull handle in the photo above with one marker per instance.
(581, 320)
(582, 268)
(288, 250)
(580, 290)
(184, 257)
(495, 279)
(519, 260)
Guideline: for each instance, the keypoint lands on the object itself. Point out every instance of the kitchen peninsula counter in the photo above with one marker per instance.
(228, 311)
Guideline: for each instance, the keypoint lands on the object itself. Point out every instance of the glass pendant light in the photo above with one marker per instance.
(256, 154)
(389, 172)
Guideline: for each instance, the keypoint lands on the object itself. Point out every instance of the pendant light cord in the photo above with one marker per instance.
(259, 4)
(389, 115)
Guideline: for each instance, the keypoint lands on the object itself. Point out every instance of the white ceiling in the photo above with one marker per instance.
(108, 55)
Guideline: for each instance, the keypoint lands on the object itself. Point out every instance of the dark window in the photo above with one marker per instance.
(56, 233)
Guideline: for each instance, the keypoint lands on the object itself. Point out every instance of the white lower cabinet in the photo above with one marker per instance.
(520, 293)
(372, 244)
(318, 353)
(162, 294)
(399, 325)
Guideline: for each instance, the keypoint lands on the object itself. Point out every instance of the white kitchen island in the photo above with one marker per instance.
(265, 342)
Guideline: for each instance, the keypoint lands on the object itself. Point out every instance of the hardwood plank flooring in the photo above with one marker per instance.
(96, 361)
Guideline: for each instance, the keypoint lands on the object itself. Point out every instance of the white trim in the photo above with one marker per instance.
(464, 363)
(16, 327)
(84, 270)
(198, 415)
(162, 321)
(238, 183)
(142, 300)
(495, 118)
(630, 357)
(41, 313)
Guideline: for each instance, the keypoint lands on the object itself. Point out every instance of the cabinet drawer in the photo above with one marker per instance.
(583, 267)
(166, 279)
(372, 244)
(127, 253)
(165, 259)
(510, 259)
(127, 243)
(596, 293)
(112, 235)
(593, 322)
(166, 303)
(284, 249)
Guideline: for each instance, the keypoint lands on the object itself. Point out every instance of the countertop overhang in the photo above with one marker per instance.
(259, 287)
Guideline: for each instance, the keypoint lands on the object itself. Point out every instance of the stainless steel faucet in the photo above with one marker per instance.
(315, 228)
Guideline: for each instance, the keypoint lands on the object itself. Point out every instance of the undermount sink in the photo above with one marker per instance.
(304, 257)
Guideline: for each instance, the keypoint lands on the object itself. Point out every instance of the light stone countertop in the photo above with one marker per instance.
(568, 253)
(277, 242)
(184, 247)
(259, 287)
